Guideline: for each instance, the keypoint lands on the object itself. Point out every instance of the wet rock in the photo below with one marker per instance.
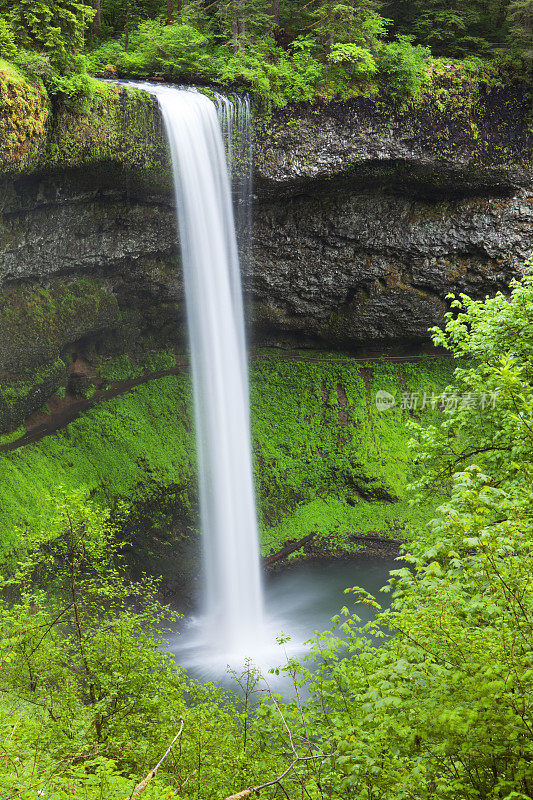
(366, 216)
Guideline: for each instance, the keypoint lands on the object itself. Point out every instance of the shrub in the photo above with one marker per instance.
(171, 51)
(91, 696)
(442, 710)
(402, 67)
(351, 64)
(7, 40)
(34, 65)
(74, 91)
(177, 50)
(109, 53)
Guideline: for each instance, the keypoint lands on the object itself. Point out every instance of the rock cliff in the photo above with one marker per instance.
(366, 215)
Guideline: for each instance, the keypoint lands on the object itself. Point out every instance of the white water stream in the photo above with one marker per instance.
(232, 622)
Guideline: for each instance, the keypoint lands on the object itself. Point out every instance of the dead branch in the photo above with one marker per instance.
(256, 789)
(297, 758)
(144, 783)
(241, 795)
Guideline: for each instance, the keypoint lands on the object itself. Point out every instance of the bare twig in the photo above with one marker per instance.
(256, 789)
(297, 758)
(144, 783)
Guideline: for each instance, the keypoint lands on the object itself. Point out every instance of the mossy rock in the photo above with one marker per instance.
(116, 125)
(20, 397)
(24, 114)
(119, 125)
(36, 327)
(36, 323)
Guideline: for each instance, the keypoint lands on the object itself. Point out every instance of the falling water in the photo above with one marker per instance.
(235, 118)
(234, 607)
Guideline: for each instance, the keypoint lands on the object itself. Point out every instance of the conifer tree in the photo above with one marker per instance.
(520, 16)
(243, 21)
(55, 27)
(355, 21)
(451, 27)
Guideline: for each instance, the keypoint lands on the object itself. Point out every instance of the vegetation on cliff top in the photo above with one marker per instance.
(288, 52)
(55, 113)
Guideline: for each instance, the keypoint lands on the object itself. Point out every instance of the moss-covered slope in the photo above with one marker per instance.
(327, 460)
(24, 114)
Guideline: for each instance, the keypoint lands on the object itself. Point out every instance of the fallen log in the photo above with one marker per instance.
(354, 537)
(139, 789)
(287, 550)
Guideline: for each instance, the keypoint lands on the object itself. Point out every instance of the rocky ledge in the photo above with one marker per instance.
(366, 215)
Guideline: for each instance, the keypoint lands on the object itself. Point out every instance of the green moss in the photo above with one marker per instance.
(117, 125)
(7, 438)
(116, 369)
(328, 461)
(19, 397)
(325, 458)
(112, 124)
(35, 323)
(24, 114)
(318, 431)
(116, 450)
(335, 522)
(125, 366)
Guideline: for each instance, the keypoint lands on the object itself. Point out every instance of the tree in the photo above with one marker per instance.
(8, 48)
(243, 22)
(97, 21)
(450, 28)
(55, 27)
(275, 13)
(443, 708)
(520, 16)
(353, 22)
(493, 342)
(90, 695)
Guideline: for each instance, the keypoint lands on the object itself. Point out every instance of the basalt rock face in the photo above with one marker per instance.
(454, 138)
(374, 268)
(365, 217)
(368, 215)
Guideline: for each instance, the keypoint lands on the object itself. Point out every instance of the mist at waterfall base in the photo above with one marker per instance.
(300, 600)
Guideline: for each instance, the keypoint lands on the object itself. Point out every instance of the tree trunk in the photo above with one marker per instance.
(237, 25)
(275, 13)
(170, 12)
(127, 27)
(97, 21)
(83, 25)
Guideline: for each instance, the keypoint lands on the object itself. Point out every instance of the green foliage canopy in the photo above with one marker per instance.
(55, 27)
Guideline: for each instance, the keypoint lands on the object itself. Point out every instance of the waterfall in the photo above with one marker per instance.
(235, 118)
(233, 593)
